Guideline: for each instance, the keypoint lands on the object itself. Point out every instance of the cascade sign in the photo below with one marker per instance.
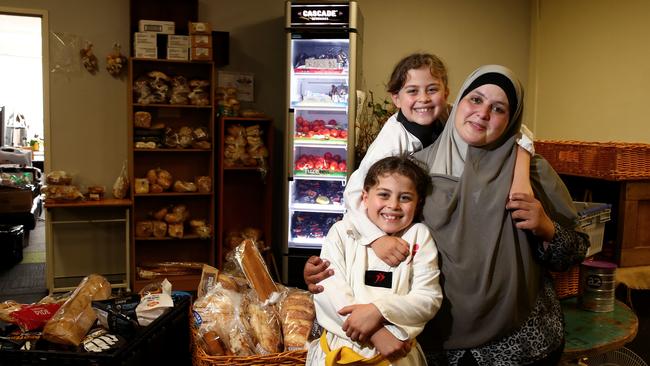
(320, 14)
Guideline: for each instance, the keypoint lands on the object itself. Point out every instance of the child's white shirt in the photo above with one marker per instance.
(413, 298)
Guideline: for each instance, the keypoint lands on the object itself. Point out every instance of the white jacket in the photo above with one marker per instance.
(413, 298)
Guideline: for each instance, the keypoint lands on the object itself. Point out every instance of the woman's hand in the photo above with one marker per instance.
(364, 321)
(388, 345)
(391, 249)
(529, 214)
(315, 271)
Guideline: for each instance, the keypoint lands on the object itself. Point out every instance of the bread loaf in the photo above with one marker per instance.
(297, 317)
(265, 326)
(75, 317)
(251, 263)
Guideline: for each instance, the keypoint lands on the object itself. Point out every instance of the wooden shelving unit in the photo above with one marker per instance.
(244, 193)
(183, 164)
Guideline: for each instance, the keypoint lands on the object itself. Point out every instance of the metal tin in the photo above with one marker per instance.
(597, 285)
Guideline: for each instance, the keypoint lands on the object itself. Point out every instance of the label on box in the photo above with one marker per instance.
(144, 39)
(146, 52)
(200, 27)
(178, 41)
(200, 53)
(177, 53)
(156, 26)
(201, 40)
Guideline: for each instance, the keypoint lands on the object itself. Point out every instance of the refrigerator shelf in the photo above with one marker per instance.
(307, 142)
(315, 207)
(322, 106)
(303, 243)
(301, 106)
(319, 73)
(314, 173)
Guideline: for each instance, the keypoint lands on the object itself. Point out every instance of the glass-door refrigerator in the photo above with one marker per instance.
(323, 48)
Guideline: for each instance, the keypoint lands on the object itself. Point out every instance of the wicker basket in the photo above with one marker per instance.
(200, 358)
(605, 160)
(567, 283)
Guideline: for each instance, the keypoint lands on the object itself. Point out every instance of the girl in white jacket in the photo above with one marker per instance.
(369, 309)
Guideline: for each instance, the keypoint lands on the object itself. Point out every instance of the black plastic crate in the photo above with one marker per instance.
(166, 341)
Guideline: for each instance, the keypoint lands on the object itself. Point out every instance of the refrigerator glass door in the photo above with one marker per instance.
(319, 94)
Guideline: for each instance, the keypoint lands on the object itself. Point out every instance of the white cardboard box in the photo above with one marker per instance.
(146, 52)
(156, 26)
(144, 39)
(178, 53)
(178, 41)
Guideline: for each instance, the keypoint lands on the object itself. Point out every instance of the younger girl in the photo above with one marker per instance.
(369, 309)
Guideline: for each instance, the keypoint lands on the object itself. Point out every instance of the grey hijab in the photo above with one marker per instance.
(489, 276)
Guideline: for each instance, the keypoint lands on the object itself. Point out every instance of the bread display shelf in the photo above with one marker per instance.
(186, 164)
(178, 281)
(157, 150)
(161, 105)
(172, 194)
(242, 168)
(163, 61)
(185, 237)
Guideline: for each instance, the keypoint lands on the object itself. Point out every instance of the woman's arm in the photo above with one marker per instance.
(525, 149)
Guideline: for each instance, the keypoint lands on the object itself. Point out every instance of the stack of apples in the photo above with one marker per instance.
(319, 129)
(327, 162)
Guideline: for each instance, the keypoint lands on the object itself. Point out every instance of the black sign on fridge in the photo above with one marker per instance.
(323, 48)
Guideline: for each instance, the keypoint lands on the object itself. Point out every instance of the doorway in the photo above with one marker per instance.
(24, 129)
(24, 81)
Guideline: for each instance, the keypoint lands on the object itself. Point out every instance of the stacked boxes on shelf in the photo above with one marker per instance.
(177, 47)
(200, 41)
(145, 41)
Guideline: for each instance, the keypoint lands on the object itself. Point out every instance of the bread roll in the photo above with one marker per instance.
(75, 317)
(159, 229)
(143, 229)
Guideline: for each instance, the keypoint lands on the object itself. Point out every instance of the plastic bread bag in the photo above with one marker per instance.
(180, 90)
(62, 193)
(121, 185)
(222, 311)
(264, 325)
(297, 314)
(254, 268)
(75, 317)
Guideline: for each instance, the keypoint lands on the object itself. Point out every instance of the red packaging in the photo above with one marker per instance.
(34, 316)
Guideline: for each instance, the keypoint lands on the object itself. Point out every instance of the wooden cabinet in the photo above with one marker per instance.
(627, 235)
(184, 161)
(245, 194)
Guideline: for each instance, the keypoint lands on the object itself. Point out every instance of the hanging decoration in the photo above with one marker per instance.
(115, 61)
(88, 58)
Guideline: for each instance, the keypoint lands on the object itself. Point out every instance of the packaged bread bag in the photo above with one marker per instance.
(75, 317)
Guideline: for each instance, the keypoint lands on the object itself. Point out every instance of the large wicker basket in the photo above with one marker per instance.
(605, 160)
(200, 358)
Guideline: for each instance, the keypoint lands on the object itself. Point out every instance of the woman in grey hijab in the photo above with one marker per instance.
(499, 306)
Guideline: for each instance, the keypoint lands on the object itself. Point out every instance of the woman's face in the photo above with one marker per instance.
(482, 115)
(391, 203)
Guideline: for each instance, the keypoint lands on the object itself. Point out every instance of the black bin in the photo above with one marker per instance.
(11, 245)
